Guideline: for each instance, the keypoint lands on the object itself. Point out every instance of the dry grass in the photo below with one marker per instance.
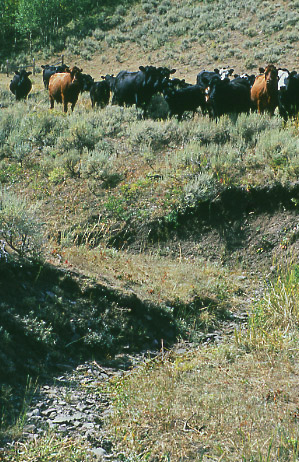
(48, 448)
(202, 286)
(227, 402)
(214, 403)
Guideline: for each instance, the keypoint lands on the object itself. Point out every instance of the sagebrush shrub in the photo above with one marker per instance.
(20, 225)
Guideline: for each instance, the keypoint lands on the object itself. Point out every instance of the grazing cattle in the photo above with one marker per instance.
(228, 96)
(204, 77)
(100, 93)
(21, 85)
(49, 70)
(65, 88)
(264, 91)
(288, 93)
(87, 82)
(180, 100)
(139, 87)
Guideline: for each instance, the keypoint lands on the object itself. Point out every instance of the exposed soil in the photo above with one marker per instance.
(251, 229)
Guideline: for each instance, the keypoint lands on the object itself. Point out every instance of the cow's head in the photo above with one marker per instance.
(156, 77)
(225, 73)
(87, 82)
(214, 82)
(283, 79)
(271, 75)
(62, 68)
(23, 75)
(76, 73)
(76, 77)
(110, 79)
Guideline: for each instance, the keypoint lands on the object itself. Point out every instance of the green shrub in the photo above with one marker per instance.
(57, 175)
(155, 134)
(201, 188)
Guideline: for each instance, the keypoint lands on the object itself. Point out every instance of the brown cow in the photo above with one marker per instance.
(65, 87)
(264, 92)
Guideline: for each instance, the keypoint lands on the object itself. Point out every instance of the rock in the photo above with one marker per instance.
(63, 418)
(99, 453)
(29, 428)
(49, 411)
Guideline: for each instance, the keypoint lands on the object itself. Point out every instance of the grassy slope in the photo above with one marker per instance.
(130, 199)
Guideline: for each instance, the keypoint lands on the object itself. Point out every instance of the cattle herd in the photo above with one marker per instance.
(216, 92)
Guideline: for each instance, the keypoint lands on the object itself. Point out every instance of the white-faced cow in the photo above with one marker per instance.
(288, 93)
(225, 73)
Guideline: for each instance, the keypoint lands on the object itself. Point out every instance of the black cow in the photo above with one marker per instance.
(250, 78)
(21, 85)
(204, 77)
(180, 100)
(139, 87)
(288, 93)
(100, 93)
(176, 84)
(228, 96)
(87, 82)
(110, 79)
(49, 70)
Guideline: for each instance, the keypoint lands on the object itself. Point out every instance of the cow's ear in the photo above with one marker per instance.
(172, 71)
(103, 77)
(29, 73)
(216, 71)
(142, 68)
(261, 70)
(230, 71)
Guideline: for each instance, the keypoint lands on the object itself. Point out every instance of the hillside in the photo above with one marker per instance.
(122, 237)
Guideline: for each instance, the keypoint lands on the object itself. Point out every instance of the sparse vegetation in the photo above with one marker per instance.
(119, 233)
(236, 401)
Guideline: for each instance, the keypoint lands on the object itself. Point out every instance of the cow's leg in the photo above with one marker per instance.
(51, 102)
(260, 108)
(64, 102)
